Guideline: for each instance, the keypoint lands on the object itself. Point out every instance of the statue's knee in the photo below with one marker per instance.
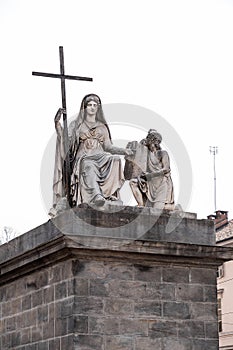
(85, 166)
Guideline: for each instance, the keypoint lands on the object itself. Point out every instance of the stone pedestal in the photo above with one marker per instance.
(75, 283)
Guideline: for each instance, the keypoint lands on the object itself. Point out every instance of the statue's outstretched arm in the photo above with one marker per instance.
(118, 150)
(109, 147)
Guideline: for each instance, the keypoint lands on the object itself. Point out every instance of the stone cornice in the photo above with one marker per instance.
(87, 247)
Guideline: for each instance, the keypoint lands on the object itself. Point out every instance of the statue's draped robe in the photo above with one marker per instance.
(58, 188)
(158, 189)
(94, 169)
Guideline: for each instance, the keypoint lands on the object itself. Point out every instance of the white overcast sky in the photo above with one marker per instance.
(172, 57)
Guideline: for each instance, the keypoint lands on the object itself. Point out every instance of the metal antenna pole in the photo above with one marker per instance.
(214, 151)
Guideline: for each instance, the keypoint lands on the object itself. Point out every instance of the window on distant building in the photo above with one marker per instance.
(219, 313)
(220, 271)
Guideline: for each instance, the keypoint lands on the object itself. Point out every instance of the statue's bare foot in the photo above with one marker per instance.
(112, 198)
(99, 200)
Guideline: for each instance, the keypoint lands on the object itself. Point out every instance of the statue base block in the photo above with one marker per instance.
(135, 223)
(121, 285)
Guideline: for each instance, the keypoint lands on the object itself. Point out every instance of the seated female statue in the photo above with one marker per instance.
(96, 173)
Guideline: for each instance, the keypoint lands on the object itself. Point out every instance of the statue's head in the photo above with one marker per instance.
(88, 98)
(153, 139)
(99, 111)
(94, 103)
(154, 135)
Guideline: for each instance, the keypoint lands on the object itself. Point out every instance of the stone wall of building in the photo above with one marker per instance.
(93, 304)
(96, 293)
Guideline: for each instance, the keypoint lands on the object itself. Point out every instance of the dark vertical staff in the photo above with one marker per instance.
(67, 172)
(63, 77)
(214, 151)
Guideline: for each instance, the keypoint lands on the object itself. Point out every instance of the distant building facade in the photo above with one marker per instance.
(224, 237)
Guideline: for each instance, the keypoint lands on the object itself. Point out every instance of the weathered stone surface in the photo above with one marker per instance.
(104, 325)
(37, 298)
(191, 329)
(149, 308)
(211, 330)
(123, 307)
(176, 274)
(119, 270)
(177, 344)
(80, 286)
(162, 328)
(148, 273)
(80, 324)
(88, 342)
(88, 269)
(66, 342)
(134, 326)
(137, 223)
(205, 344)
(43, 345)
(54, 344)
(176, 310)
(48, 294)
(148, 343)
(69, 291)
(27, 302)
(127, 289)
(119, 343)
(210, 293)
(189, 292)
(207, 276)
(160, 291)
(88, 306)
(99, 288)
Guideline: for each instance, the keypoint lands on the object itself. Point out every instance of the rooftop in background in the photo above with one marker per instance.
(226, 233)
(223, 226)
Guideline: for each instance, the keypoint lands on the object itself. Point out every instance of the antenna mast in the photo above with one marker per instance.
(214, 151)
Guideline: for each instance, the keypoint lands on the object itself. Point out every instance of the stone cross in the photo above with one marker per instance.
(62, 76)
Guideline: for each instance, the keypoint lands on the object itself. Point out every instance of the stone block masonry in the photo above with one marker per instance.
(110, 304)
(73, 292)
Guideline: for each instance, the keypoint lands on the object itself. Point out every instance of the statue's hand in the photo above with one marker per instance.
(143, 142)
(59, 114)
(129, 152)
(147, 176)
(57, 118)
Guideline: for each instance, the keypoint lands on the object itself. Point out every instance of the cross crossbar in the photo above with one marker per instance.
(61, 76)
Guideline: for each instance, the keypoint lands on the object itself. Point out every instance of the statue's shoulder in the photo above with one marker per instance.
(163, 154)
(71, 128)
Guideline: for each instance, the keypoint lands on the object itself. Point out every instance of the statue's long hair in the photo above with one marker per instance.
(99, 115)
